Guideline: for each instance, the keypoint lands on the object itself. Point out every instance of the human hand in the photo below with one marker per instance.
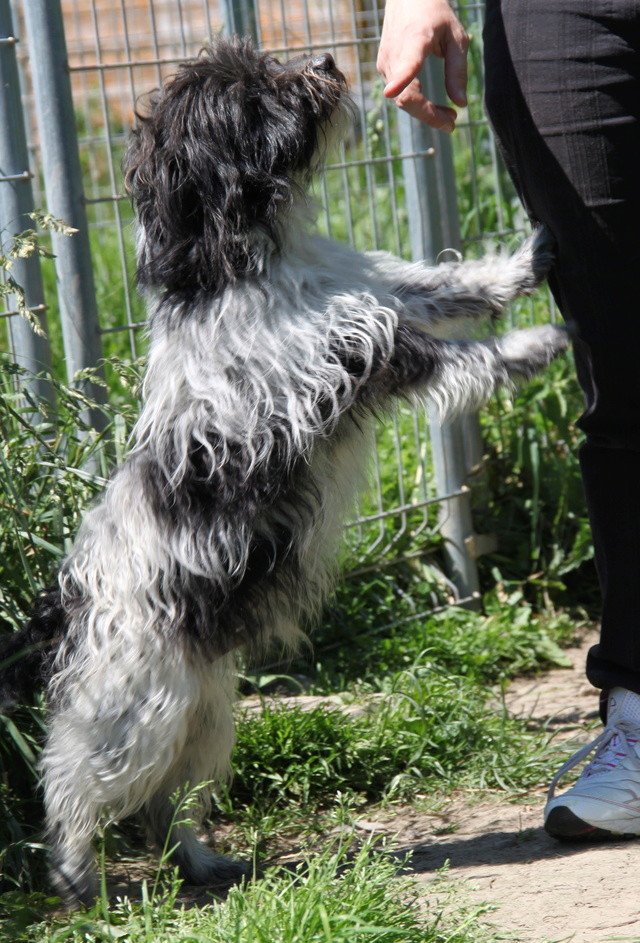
(413, 30)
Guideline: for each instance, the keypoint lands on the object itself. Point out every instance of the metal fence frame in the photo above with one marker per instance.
(31, 351)
(430, 195)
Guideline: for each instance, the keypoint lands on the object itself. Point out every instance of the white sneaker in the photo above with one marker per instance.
(605, 801)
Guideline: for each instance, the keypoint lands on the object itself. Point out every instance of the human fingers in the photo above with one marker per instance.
(415, 103)
(455, 66)
(403, 69)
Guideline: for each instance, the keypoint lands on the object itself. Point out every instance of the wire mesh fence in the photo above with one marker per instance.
(118, 50)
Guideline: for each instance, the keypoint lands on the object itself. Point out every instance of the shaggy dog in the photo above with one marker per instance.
(272, 349)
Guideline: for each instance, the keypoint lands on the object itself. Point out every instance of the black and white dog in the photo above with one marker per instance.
(272, 350)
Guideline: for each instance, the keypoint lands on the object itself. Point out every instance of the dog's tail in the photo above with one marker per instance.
(26, 655)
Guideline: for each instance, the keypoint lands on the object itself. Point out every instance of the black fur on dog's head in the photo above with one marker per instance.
(216, 162)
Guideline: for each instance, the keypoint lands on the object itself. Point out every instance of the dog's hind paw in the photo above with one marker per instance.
(77, 886)
(217, 872)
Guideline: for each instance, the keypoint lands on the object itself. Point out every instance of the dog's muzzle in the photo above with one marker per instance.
(324, 62)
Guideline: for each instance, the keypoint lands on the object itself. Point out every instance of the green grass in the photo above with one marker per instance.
(334, 897)
(426, 731)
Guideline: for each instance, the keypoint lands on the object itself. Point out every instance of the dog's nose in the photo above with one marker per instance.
(324, 62)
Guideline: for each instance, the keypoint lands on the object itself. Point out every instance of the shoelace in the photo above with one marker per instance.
(628, 734)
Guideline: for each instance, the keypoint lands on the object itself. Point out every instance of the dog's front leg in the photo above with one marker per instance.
(461, 375)
(442, 296)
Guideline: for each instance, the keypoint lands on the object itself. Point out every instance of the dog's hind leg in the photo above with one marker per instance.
(72, 813)
(124, 718)
(179, 803)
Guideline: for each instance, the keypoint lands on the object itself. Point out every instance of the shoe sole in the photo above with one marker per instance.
(563, 824)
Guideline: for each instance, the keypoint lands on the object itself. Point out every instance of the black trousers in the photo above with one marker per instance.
(563, 96)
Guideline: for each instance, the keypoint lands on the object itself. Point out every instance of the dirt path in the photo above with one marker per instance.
(498, 853)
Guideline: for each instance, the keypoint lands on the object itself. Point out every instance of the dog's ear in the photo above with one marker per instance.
(214, 166)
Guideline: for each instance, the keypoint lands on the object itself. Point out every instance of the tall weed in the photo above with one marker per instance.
(52, 465)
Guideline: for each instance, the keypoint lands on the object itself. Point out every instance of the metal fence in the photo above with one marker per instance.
(71, 72)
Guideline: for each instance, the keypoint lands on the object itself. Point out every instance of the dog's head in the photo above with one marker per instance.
(217, 160)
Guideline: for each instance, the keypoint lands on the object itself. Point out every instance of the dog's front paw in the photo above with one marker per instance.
(525, 352)
(533, 260)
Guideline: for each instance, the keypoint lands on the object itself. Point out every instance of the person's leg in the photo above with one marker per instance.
(563, 95)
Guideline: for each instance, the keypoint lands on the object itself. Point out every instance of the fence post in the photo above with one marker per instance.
(29, 350)
(434, 226)
(63, 186)
(239, 16)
